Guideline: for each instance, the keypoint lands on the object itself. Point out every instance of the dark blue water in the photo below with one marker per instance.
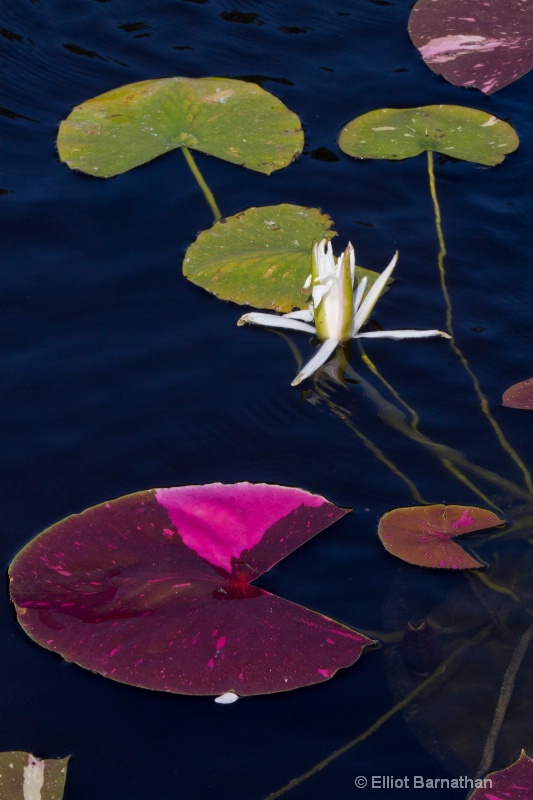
(119, 375)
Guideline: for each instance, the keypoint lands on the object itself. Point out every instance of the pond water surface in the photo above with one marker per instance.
(120, 375)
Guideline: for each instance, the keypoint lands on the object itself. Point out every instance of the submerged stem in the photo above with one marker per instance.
(511, 452)
(367, 361)
(208, 194)
(503, 700)
(343, 414)
(414, 426)
(452, 459)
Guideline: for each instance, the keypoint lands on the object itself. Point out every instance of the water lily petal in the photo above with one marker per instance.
(227, 698)
(371, 299)
(319, 358)
(305, 314)
(346, 275)
(271, 321)
(403, 334)
(361, 288)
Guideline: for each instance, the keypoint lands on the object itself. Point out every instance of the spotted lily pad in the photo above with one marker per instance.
(477, 43)
(155, 589)
(422, 535)
(512, 783)
(25, 777)
(261, 257)
(520, 395)
(234, 120)
(397, 133)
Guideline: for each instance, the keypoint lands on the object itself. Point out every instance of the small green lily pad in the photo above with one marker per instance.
(260, 257)
(396, 133)
(234, 120)
(24, 777)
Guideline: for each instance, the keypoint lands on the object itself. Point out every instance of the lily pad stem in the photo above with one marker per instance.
(373, 368)
(447, 455)
(208, 194)
(511, 452)
(503, 701)
(344, 415)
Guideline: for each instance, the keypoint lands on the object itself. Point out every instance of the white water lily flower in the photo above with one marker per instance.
(338, 314)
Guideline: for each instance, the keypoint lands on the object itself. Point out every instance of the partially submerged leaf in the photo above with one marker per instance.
(25, 777)
(474, 42)
(422, 535)
(520, 395)
(261, 257)
(234, 120)
(512, 783)
(154, 589)
(397, 133)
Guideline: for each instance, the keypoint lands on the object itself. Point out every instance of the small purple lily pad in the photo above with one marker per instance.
(422, 535)
(512, 783)
(520, 395)
(154, 589)
(477, 43)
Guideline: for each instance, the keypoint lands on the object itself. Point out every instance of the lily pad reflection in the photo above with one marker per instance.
(488, 615)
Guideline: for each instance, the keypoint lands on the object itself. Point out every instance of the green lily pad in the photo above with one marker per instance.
(234, 120)
(397, 133)
(23, 777)
(260, 257)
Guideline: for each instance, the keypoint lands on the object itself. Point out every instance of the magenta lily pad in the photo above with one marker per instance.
(477, 43)
(422, 535)
(512, 783)
(520, 395)
(154, 589)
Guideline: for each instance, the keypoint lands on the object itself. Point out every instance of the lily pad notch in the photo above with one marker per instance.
(397, 133)
(155, 590)
(230, 119)
(422, 535)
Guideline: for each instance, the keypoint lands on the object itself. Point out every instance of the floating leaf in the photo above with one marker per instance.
(396, 133)
(474, 42)
(261, 257)
(233, 120)
(25, 777)
(422, 535)
(154, 589)
(520, 395)
(512, 783)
